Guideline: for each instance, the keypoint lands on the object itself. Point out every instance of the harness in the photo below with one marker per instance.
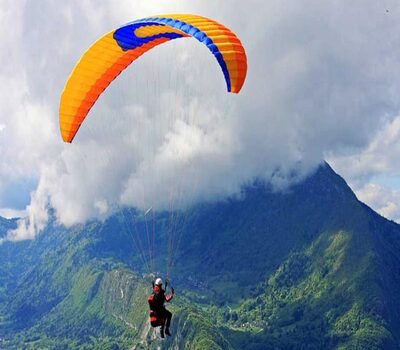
(155, 320)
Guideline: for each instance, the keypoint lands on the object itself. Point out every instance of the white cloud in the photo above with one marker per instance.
(36, 219)
(11, 213)
(375, 163)
(380, 156)
(322, 78)
(386, 201)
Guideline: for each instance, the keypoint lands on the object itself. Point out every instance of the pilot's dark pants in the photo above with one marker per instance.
(166, 315)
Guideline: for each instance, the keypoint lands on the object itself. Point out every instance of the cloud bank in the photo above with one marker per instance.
(374, 172)
(322, 82)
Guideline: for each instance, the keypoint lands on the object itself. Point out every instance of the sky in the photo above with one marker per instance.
(323, 84)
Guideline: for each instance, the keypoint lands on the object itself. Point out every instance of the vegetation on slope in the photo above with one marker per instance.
(311, 268)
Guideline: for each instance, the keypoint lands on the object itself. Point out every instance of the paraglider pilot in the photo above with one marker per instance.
(159, 315)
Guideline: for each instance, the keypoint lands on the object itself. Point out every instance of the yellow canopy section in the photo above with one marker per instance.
(113, 52)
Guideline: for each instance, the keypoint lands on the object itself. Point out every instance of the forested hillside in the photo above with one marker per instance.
(309, 268)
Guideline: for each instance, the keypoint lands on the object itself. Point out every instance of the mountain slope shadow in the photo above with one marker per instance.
(309, 268)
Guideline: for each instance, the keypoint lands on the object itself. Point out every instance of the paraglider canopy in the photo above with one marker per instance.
(116, 50)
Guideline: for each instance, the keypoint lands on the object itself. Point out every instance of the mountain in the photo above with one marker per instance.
(6, 225)
(309, 268)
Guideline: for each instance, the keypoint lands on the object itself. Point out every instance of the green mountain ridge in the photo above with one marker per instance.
(309, 268)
